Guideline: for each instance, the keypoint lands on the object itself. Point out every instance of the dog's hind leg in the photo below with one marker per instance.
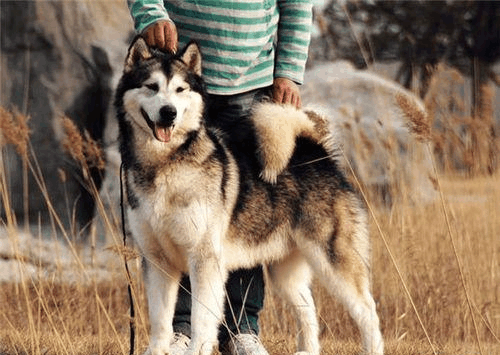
(361, 306)
(347, 278)
(161, 285)
(292, 278)
(207, 277)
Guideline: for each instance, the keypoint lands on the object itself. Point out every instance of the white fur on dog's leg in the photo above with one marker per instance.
(161, 290)
(354, 294)
(207, 285)
(361, 307)
(292, 277)
(364, 313)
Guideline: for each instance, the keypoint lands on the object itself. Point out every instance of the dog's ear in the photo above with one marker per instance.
(192, 57)
(138, 51)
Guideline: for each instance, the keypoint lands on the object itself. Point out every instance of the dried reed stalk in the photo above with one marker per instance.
(82, 149)
(418, 120)
(14, 130)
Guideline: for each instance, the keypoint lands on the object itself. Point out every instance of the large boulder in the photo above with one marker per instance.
(58, 58)
(372, 131)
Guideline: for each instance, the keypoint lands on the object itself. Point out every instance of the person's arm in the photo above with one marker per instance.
(294, 34)
(152, 21)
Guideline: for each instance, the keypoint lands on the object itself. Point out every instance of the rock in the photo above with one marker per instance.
(372, 131)
(58, 57)
(24, 257)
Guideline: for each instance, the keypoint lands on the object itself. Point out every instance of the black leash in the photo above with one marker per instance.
(129, 278)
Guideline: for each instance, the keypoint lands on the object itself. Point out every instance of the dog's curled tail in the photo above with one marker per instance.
(277, 128)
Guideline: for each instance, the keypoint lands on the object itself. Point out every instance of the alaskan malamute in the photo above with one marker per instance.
(201, 204)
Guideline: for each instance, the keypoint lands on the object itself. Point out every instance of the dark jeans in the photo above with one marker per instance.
(245, 288)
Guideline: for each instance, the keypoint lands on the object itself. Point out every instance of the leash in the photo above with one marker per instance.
(127, 271)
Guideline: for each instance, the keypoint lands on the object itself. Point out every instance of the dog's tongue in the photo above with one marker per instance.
(163, 134)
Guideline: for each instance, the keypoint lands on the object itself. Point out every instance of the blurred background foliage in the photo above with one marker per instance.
(420, 36)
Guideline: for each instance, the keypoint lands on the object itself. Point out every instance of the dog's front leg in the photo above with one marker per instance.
(207, 276)
(161, 285)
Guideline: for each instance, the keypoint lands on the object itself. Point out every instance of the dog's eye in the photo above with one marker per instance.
(180, 89)
(153, 87)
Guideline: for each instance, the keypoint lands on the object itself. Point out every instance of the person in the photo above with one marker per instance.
(251, 50)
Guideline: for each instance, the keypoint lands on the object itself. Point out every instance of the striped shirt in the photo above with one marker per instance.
(245, 43)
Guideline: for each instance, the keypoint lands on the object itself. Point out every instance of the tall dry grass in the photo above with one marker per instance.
(41, 313)
(436, 277)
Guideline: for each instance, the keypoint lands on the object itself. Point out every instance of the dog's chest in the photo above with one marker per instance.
(170, 188)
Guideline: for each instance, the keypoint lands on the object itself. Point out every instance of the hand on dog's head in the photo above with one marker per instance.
(140, 52)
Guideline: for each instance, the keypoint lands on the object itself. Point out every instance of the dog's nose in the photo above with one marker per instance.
(167, 115)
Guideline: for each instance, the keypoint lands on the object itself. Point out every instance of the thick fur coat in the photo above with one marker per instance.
(200, 204)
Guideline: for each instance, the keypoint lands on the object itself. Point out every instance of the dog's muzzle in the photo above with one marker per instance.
(162, 130)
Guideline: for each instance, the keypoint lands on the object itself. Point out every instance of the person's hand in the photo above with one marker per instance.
(163, 35)
(285, 91)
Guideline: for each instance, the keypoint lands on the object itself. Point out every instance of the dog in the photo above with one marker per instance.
(200, 204)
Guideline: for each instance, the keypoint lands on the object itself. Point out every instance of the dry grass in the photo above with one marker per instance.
(440, 261)
(43, 317)
(459, 139)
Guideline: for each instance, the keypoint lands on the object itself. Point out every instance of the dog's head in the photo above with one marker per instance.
(160, 92)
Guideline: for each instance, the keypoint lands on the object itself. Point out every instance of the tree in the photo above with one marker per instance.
(420, 35)
(480, 42)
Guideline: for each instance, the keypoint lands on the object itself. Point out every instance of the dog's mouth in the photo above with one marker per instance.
(163, 134)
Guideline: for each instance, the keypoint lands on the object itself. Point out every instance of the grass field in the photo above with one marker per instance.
(447, 273)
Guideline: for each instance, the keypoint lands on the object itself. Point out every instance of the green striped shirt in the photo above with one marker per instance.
(245, 43)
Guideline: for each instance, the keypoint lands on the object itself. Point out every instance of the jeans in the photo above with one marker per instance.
(244, 287)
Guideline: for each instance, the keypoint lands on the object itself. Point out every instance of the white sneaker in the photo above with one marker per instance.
(244, 344)
(179, 344)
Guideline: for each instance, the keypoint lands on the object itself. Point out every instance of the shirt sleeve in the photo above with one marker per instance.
(146, 12)
(294, 35)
